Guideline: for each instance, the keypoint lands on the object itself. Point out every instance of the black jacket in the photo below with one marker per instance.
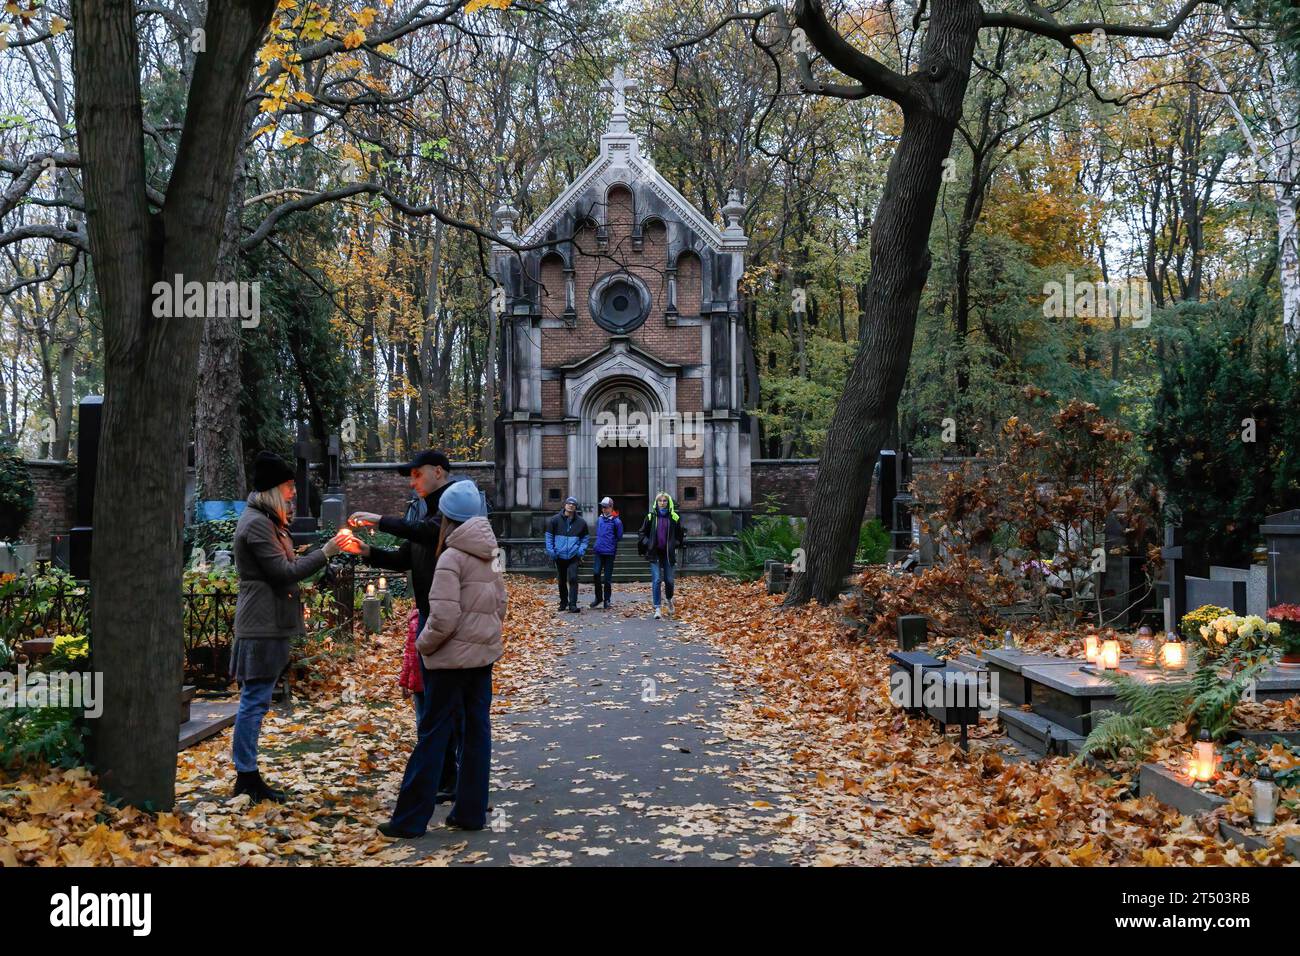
(418, 552)
(648, 538)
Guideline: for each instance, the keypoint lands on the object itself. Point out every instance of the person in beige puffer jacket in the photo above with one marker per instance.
(459, 644)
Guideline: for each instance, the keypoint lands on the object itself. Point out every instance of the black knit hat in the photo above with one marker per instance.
(269, 470)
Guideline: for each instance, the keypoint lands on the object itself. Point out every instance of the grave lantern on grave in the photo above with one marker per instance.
(1091, 648)
(1173, 653)
(1144, 647)
(1108, 659)
(1264, 797)
(1202, 765)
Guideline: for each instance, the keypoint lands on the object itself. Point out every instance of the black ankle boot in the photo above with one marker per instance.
(252, 784)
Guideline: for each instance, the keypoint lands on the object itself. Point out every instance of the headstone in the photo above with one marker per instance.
(371, 615)
(59, 551)
(911, 630)
(304, 526)
(887, 488)
(1220, 593)
(90, 415)
(1282, 537)
(1254, 577)
(334, 504)
(900, 528)
(774, 573)
(1175, 572)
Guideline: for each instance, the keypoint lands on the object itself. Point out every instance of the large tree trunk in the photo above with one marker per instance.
(900, 261)
(218, 437)
(149, 365)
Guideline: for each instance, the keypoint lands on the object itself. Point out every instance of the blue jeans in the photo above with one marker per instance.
(447, 783)
(254, 701)
(602, 567)
(661, 573)
(447, 693)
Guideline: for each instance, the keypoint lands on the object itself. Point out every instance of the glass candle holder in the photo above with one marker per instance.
(1091, 648)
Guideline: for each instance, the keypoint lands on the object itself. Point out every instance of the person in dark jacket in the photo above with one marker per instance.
(268, 611)
(430, 474)
(566, 543)
(660, 537)
(609, 530)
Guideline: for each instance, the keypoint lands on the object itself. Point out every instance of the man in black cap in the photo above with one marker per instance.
(430, 473)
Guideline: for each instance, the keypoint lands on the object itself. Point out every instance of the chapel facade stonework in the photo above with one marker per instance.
(620, 364)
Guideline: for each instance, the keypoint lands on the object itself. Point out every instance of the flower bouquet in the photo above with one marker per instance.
(1286, 619)
(1232, 635)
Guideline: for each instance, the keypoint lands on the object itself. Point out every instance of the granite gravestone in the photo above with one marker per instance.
(334, 505)
(304, 526)
(89, 419)
(887, 487)
(1282, 536)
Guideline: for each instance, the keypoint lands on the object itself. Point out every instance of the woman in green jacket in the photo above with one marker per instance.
(658, 542)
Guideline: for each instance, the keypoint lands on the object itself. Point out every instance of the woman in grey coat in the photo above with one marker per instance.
(269, 609)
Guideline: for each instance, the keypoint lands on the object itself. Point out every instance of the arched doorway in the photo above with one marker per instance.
(622, 423)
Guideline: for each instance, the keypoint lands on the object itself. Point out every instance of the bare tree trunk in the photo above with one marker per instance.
(900, 262)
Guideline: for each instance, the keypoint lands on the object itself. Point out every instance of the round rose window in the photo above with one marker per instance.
(619, 302)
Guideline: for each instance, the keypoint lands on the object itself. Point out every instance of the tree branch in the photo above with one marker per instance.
(1064, 32)
(876, 78)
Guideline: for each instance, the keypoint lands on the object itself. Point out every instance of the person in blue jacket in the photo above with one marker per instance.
(566, 543)
(609, 529)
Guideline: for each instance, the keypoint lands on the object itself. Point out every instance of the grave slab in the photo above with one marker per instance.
(1007, 664)
(1278, 683)
(1069, 695)
(1174, 790)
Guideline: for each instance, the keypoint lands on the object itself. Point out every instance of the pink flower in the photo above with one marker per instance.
(1285, 612)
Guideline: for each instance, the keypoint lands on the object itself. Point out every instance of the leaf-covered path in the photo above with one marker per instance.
(625, 759)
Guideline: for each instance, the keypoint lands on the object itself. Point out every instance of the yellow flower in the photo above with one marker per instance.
(1274, 628)
(1205, 633)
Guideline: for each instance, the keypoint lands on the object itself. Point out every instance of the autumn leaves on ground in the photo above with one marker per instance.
(862, 784)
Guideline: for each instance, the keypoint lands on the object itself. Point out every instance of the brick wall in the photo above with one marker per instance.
(385, 490)
(56, 503)
(790, 482)
(555, 451)
(676, 344)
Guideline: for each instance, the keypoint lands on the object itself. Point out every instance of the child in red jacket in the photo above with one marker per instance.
(411, 679)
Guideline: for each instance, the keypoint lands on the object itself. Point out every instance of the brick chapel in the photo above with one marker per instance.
(621, 369)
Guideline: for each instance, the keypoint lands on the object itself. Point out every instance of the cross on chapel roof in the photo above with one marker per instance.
(618, 85)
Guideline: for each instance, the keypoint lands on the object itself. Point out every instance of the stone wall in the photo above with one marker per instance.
(789, 482)
(56, 503)
(384, 488)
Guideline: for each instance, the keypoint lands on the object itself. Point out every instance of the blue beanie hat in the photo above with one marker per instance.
(462, 501)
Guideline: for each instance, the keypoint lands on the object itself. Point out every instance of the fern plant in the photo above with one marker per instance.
(42, 735)
(768, 537)
(1148, 707)
(1206, 701)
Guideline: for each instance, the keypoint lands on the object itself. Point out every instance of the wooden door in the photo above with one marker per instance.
(623, 473)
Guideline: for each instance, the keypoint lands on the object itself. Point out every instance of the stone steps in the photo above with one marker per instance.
(206, 719)
(1037, 734)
